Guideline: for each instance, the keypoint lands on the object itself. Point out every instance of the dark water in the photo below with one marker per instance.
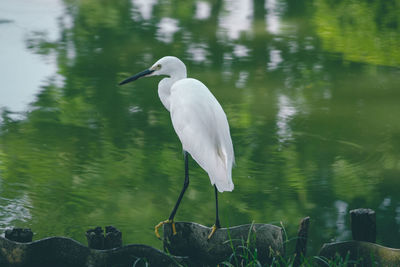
(311, 90)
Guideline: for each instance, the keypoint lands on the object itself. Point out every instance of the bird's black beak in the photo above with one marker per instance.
(137, 76)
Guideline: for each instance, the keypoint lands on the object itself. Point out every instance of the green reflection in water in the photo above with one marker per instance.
(313, 134)
(361, 31)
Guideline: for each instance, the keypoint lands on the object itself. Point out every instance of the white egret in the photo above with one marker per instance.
(200, 123)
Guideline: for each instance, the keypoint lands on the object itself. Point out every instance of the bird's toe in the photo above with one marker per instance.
(158, 226)
(213, 229)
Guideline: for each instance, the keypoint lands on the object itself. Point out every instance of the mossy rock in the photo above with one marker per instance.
(362, 253)
(191, 239)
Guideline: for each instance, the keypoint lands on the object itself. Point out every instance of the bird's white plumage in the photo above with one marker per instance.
(198, 120)
(203, 129)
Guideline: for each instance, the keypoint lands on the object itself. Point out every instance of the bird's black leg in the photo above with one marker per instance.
(217, 224)
(185, 185)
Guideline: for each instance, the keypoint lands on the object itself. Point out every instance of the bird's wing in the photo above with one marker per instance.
(203, 129)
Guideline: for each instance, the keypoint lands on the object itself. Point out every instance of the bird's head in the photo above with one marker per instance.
(168, 66)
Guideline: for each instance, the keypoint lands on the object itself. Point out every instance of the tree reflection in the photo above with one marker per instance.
(361, 31)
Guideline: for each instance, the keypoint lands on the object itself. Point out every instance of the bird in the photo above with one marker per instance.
(201, 125)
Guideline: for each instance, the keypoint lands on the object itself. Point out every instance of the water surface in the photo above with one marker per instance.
(311, 91)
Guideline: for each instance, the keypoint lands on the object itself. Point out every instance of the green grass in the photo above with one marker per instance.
(246, 255)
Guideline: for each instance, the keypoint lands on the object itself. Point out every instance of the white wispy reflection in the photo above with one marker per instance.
(293, 46)
(227, 67)
(27, 21)
(135, 109)
(236, 18)
(397, 215)
(144, 8)
(203, 10)
(198, 52)
(241, 82)
(240, 51)
(167, 27)
(274, 59)
(13, 210)
(387, 201)
(274, 10)
(309, 40)
(285, 114)
(341, 208)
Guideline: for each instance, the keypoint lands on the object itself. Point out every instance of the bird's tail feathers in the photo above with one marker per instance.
(221, 176)
(224, 185)
(218, 166)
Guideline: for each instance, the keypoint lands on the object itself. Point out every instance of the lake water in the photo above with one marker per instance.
(311, 91)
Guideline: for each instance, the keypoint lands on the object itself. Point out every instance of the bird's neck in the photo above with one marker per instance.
(164, 88)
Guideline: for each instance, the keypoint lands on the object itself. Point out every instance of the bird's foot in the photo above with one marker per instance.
(161, 224)
(213, 229)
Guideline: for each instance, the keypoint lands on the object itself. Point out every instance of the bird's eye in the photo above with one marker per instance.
(158, 67)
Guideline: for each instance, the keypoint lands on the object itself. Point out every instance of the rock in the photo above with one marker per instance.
(363, 225)
(22, 235)
(192, 240)
(301, 243)
(66, 252)
(95, 238)
(113, 238)
(364, 253)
